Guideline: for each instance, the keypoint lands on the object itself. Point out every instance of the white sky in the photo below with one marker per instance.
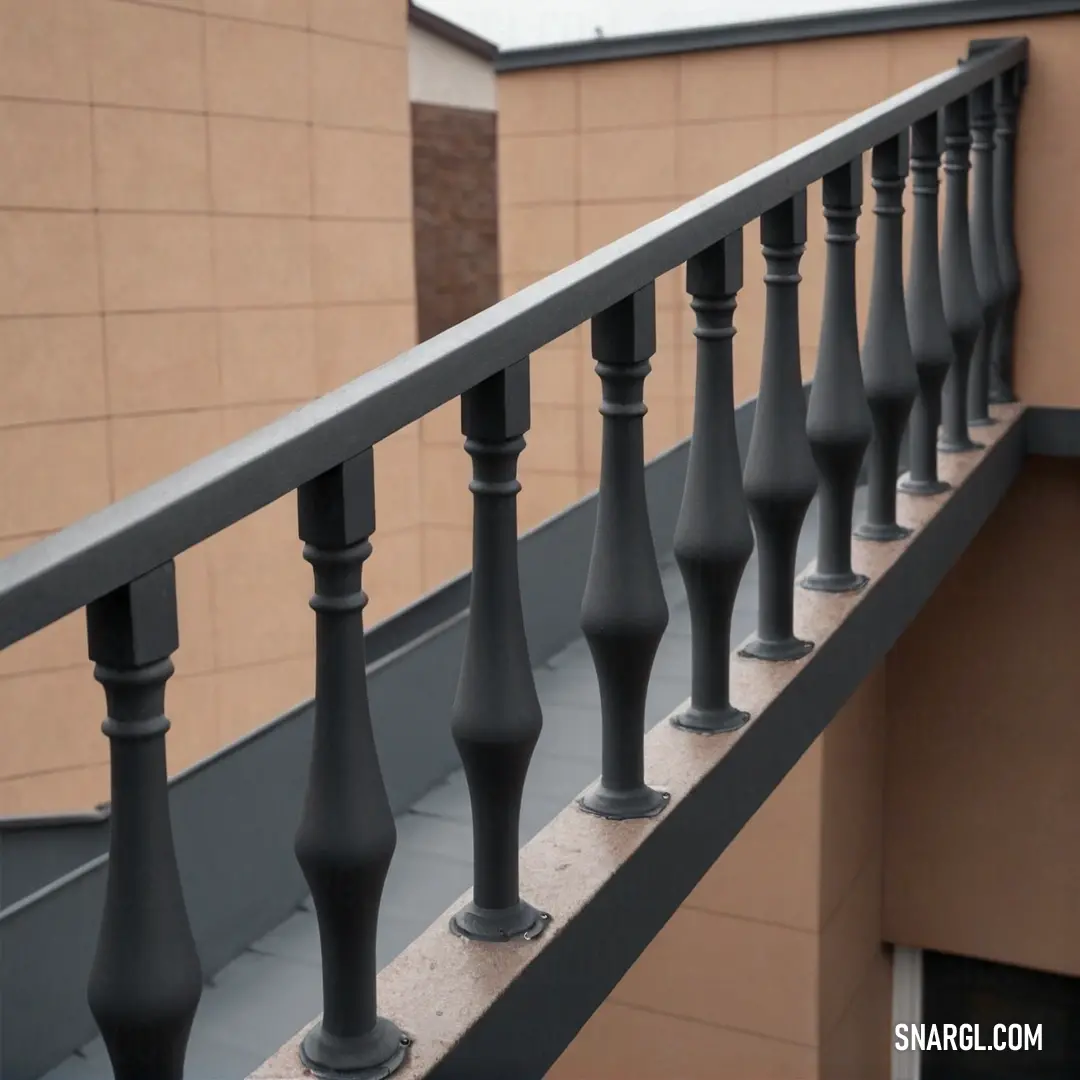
(517, 23)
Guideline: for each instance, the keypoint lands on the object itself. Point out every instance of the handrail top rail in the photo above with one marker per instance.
(90, 558)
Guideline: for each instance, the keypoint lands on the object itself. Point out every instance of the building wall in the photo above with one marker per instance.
(981, 800)
(205, 221)
(441, 73)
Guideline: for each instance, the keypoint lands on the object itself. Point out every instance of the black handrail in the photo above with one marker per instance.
(128, 539)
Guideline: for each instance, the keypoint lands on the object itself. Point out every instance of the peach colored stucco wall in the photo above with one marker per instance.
(205, 220)
(982, 804)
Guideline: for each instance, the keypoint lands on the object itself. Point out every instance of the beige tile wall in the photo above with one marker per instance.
(205, 221)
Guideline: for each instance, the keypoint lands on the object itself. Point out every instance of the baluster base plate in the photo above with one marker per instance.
(835, 583)
(965, 447)
(710, 721)
(1003, 397)
(792, 648)
(882, 533)
(374, 1056)
(922, 488)
(642, 802)
(983, 421)
(499, 924)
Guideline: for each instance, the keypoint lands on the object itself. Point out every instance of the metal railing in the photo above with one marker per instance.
(935, 356)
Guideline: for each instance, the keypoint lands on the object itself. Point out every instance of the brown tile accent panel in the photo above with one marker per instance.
(647, 92)
(539, 102)
(772, 869)
(352, 339)
(857, 1047)
(39, 495)
(711, 154)
(455, 215)
(146, 56)
(282, 12)
(198, 233)
(150, 160)
(394, 576)
(831, 74)
(51, 369)
(257, 70)
(538, 169)
(737, 973)
(260, 166)
(743, 85)
(446, 552)
(374, 21)
(359, 85)
(45, 155)
(853, 763)
(981, 800)
(621, 1041)
(161, 361)
(45, 49)
(50, 264)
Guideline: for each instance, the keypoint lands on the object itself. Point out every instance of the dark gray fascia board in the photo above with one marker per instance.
(555, 995)
(451, 33)
(779, 31)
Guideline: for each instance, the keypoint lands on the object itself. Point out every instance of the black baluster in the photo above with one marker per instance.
(960, 294)
(888, 365)
(713, 538)
(780, 477)
(927, 328)
(983, 252)
(146, 981)
(347, 836)
(838, 422)
(624, 613)
(496, 716)
(1008, 90)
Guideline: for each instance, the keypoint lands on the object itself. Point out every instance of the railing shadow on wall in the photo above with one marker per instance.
(455, 1003)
